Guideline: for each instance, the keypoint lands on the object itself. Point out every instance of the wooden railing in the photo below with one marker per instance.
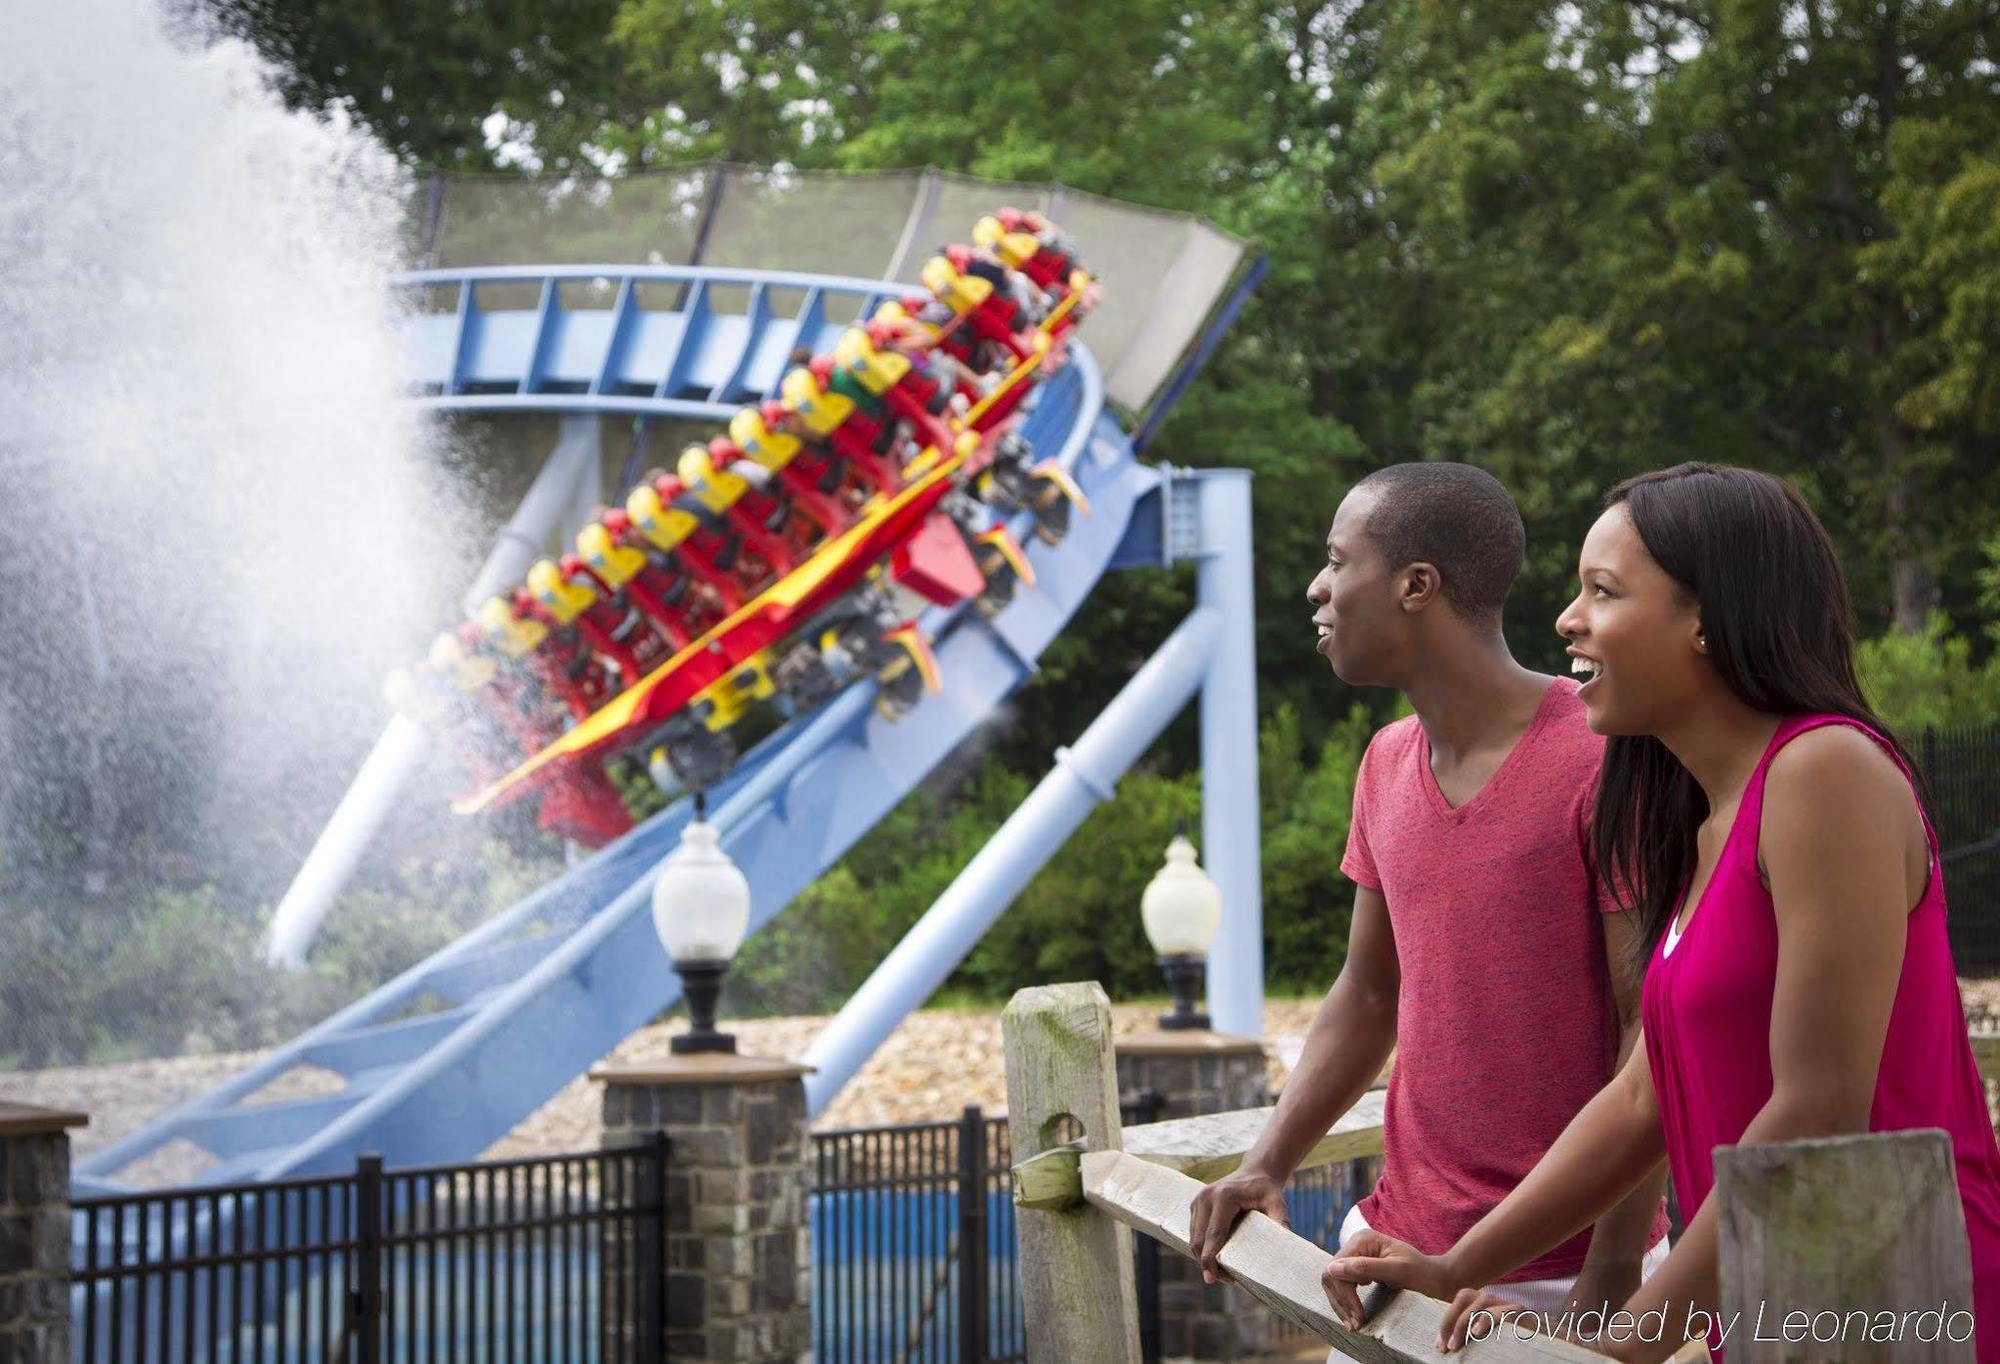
(1879, 1215)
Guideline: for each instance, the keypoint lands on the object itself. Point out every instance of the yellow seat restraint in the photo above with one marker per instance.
(517, 636)
(878, 370)
(820, 411)
(716, 489)
(665, 526)
(771, 449)
(405, 697)
(560, 598)
(468, 672)
(1014, 248)
(960, 293)
(615, 563)
(892, 311)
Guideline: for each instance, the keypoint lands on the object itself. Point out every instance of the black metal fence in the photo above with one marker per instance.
(1962, 769)
(913, 1243)
(914, 1249)
(554, 1260)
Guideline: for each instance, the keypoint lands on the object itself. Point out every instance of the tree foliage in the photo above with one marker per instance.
(1567, 241)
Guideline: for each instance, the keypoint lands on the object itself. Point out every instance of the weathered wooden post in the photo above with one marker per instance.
(1078, 1296)
(1849, 1248)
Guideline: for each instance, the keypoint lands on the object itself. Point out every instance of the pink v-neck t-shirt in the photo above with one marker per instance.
(1505, 1023)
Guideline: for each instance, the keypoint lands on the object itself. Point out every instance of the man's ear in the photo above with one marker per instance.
(1418, 586)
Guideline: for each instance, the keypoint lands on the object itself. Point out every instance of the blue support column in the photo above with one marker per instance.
(588, 493)
(550, 500)
(1035, 832)
(1230, 836)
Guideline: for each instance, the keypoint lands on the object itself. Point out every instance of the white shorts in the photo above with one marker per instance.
(1543, 1295)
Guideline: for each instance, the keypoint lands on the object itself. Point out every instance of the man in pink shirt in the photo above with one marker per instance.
(1480, 950)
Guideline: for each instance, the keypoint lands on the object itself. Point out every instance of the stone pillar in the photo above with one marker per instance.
(738, 1256)
(1194, 1072)
(34, 1234)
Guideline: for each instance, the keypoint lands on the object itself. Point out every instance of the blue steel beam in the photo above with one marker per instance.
(811, 333)
(548, 327)
(1205, 515)
(681, 333)
(624, 316)
(1082, 777)
(1231, 842)
(757, 318)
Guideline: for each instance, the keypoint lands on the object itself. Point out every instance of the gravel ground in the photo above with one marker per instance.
(934, 1064)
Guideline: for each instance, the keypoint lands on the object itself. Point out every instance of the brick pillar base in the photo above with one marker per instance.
(1193, 1073)
(738, 1259)
(34, 1234)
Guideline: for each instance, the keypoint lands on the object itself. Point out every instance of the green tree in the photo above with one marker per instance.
(1807, 266)
(1930, 679)
(425, 75)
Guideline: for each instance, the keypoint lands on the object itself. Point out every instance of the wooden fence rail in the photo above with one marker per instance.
(1850, 1232)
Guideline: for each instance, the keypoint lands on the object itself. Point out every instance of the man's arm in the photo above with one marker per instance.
(1350, 1038)
(1611, 1269)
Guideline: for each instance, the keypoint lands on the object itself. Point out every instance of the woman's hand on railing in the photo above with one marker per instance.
(1370, 1257)
(1216, 1209)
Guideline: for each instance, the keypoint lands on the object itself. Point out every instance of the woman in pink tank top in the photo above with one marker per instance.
(1764, 825)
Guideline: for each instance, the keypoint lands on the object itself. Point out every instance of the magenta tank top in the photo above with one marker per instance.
(1707, 1010)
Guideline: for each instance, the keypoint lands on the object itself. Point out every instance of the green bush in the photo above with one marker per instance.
(1078, 919)
(1307, 902)
(183, 972)
(1929, 679)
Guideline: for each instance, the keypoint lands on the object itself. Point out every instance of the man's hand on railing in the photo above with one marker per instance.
(1217, 1208)
(1370, 1257)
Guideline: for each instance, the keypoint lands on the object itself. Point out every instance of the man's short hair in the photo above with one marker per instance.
(1456, 517)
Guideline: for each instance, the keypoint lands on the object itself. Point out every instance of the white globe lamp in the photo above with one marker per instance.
(1182, 911)
(701, 909)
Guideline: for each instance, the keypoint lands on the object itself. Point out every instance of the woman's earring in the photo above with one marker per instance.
(1701, 643)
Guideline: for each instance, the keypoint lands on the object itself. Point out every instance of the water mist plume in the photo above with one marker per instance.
(220, 526)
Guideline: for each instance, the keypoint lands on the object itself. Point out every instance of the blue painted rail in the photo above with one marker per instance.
(720, 340)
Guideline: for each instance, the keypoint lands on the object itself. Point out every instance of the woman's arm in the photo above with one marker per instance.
(1614, 1267)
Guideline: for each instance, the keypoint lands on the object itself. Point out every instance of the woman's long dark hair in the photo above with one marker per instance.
(1775, 610)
